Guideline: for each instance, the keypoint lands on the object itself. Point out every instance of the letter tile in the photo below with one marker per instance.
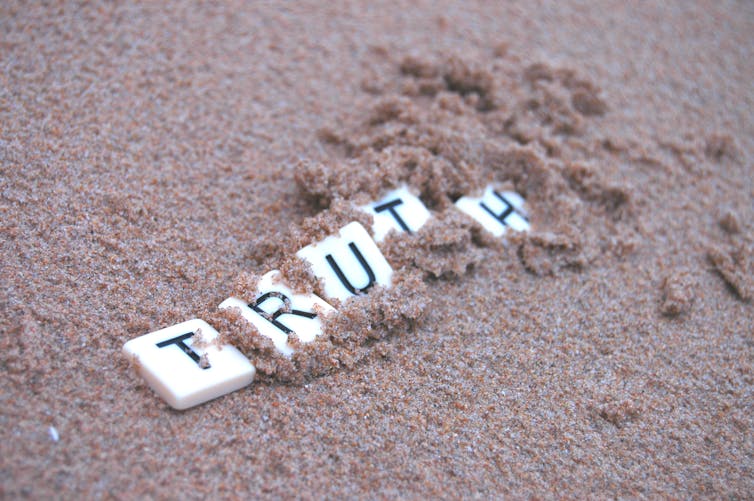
(349, 263)
(399, 210)
(183, 374)
(496, 211)
(277, 312)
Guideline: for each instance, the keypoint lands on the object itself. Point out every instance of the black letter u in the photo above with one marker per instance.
(347, 283)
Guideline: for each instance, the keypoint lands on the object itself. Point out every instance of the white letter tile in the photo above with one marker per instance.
(185, 375)
(349, 263)
(277, 311)
(399, 210)
(496, 211)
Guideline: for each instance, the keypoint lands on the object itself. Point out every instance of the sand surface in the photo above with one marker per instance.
(155, 159)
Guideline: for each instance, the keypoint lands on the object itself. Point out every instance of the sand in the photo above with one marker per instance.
(156, 159)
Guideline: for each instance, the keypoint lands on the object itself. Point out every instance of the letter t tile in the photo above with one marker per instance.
(184, 374)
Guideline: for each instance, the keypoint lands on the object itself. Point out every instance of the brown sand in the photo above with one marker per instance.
(156, 159)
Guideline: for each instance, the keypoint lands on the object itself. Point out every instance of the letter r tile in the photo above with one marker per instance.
(186, 373)
(277, 312)
(349, 263)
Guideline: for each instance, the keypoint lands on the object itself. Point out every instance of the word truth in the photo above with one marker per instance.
(186, 372)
